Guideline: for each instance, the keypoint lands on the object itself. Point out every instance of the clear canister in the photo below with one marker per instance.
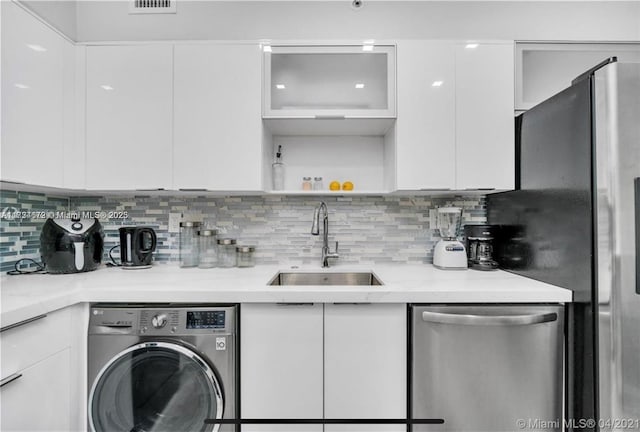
(208, 248)
(226, 252)
(189, 250)
(245, 257)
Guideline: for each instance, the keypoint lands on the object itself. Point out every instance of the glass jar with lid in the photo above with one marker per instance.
(226, 252)
(245, 257)
(208, 248)
(189, 248)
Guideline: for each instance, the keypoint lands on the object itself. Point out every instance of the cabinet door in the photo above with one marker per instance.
(485, 141)
(218, 126)
(281, 364)
(32, 99)
(129, 117)
(365, 358)
(334, 81)
(39, 399)
(544, 69)
(426, 115)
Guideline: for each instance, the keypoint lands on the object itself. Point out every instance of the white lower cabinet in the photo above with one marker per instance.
(39, 400)
(365, 365)
(314, 361)
(281, 365)
(36, 374)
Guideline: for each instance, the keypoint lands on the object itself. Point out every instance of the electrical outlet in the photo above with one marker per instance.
(174, 222)
(433, 218)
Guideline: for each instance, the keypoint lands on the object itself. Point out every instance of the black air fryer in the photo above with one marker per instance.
(71, 245)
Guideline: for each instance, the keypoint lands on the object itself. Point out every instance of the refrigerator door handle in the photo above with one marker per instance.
(488, 320)
(636, 184)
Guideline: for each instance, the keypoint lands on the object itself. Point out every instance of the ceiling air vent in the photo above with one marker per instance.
(152, 6)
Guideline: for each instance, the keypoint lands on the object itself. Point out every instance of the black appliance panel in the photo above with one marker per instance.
(546, 227)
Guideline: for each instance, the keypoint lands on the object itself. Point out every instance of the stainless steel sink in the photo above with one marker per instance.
(351, 278)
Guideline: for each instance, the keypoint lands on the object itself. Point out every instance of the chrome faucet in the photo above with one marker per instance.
(315, 230)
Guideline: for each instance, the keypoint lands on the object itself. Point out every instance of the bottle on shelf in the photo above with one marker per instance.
(278, 171)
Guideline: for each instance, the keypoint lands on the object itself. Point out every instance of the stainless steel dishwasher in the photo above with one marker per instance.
(487, 368)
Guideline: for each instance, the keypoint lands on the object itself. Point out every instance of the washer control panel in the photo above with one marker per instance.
(205, 319)
(150, 321)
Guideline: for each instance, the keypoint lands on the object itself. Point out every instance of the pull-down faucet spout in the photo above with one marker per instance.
(315, 230)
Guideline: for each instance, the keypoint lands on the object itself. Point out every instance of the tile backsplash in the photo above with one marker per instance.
(370, 229)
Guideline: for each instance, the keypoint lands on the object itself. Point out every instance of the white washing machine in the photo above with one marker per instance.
(162, 368)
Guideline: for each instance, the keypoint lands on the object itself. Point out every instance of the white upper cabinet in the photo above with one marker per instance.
(455, 126)
(311, 90)
(129, 117)
(425, 128)
(318, 81)
(33, 99)
(544, 69)
(485, 139)
(218, 127)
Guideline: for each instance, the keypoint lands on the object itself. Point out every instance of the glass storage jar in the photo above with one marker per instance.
(226, 252)
(245, 256)
(208, 248)
(189, 244)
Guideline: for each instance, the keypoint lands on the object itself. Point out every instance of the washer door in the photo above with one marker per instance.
(155, 386)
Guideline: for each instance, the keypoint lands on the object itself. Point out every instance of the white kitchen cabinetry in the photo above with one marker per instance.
(334, 81)
(34, 94)
(129, 117)
(485, 146)
(425, 128)
(544, 69)
(365, 361)
(218, 129)
(39, 399)
(36, 359)
(333, 361)
(281, 364)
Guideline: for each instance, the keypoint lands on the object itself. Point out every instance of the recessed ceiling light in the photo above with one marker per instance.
(367, 47)
(106, 87)
(267, 48)
(280, 86)
(359, 85)
(21, 86)
(471, 46)
(437, 83)
(38, 48)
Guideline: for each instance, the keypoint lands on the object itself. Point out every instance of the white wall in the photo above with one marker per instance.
(520, 20)
(61, 14)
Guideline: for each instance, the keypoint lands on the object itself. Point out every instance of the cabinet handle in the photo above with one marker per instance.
(434, 189)
(10, 378)
(351, 303)
(329, 117)
(193, 190)
(21, 323)
(479, 189)
(295, 304)
(489, 320)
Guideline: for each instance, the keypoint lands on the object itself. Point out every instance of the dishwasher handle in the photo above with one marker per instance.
(488, 320)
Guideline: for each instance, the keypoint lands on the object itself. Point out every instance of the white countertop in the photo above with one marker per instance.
(23, 297)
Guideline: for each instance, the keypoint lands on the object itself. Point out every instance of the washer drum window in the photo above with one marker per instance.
(155, 386)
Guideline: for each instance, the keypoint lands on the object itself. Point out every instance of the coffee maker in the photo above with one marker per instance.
(480, 242)
(449, 253)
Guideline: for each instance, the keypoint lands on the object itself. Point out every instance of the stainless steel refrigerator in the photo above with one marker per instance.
(574, 221)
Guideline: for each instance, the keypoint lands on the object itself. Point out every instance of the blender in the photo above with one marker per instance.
(449, 253)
